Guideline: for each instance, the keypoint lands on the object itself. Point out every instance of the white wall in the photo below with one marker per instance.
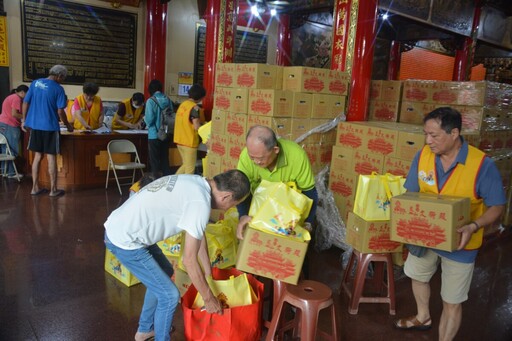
(183, 18)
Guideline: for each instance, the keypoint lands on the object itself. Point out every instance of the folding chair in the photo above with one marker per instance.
(123, 147)
(7, 156)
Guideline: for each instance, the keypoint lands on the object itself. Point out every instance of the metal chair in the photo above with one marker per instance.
(123, 147)
(7, 156)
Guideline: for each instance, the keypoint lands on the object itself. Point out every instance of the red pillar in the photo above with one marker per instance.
(341, 18)
(284, 44)
(363, 61)
(464, 56)
(394, 61)
(220, 20)
(156, 32)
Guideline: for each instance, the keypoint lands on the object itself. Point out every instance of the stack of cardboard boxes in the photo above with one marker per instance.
(290, 100)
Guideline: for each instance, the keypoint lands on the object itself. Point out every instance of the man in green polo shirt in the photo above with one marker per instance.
(268, 158)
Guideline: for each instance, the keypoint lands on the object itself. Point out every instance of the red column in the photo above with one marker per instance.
(394, 60)
(284, 44)
(341, 18)
(220, 20)
(363, 61)
(464, 56)
(156, 32)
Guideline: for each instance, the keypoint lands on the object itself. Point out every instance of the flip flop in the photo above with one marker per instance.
(57, 193)
(415, 324)
(41, 191)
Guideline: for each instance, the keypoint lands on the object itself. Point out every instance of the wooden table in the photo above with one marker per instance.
(83, 160)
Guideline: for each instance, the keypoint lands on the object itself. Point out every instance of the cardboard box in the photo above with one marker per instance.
(345, 205)
(359, 161)
(327, 106)
(417, 90)
(350, 135)
(396, 166)
(408, 144)
(282, 126)
(384, 111)
(235, 147)
(343, 183)
(236, 125)
(268, 102)
(219, 122)
(219, 145)
(382, 90)
(223, 98)
(338, 82)
(239, 100)
(271, 256)
(258, 76)
(114, 267)
(300, 126)
(213, 165)
(428, 219)
(414, 112)
(370, 236)
(225, 75)
(305, 79)
(301, 105)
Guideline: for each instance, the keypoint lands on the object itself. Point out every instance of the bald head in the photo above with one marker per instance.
(262, 147)
(262, 134)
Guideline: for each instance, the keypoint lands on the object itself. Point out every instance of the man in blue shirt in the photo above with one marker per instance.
(43, 105)
(448, 165)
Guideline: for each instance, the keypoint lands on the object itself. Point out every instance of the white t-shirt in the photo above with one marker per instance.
(160, 210)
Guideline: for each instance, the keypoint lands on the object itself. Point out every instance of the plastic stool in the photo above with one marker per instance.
(278, 289)
(356, 294)
(309, 297)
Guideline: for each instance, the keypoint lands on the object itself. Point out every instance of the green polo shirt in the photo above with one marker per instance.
(292, 165)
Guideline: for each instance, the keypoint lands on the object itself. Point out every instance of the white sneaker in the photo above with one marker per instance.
(17, 177)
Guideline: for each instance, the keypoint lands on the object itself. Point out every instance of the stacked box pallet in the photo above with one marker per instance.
(318, 96)
(366, 147)
(385, 100)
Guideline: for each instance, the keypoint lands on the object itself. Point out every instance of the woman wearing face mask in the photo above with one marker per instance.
(130, 113)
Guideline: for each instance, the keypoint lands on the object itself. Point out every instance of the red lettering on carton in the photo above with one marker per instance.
(314, 84)
(245, 80)
(271, 262)
(419, 230)
(224, 79)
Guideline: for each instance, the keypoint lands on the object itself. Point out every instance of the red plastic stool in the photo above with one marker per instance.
(278, 289)
(309, 297)
(356, 294)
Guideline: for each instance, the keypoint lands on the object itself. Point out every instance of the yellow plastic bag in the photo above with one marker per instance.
(373, 195)
(233, 292)
(221, 244)
(277, 208)
(204, 131)
(172, 246)
(114, 267)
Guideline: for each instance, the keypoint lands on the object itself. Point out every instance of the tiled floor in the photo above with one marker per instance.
(53, 287)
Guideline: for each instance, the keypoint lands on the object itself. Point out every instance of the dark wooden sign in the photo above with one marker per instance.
(95, 44)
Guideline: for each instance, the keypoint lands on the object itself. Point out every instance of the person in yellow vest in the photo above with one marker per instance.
(88, 109)
(130, 113)
(448, 165)
(188, 121)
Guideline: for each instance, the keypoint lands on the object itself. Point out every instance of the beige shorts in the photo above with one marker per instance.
(455, 276)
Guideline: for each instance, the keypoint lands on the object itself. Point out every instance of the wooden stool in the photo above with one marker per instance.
(309, 297)
(356, 294)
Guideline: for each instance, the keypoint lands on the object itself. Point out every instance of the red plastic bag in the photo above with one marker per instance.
(236, 324)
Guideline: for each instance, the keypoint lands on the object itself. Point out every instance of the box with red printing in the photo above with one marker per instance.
(429, 220)
(258, 76)
(219, 145)
(268, 102)
(223, 98)
(312, 150)
(384, 111)
(305, 79)
(417, 90)
(380, 140)
(345, 205)
(225, 75)
(396, 166)
(370, 236)
(338, 82)
(272, 256)
(343, 183)
(253, 120)
(350, 135)
(236, 125)
(356, 160)
(235, 146)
